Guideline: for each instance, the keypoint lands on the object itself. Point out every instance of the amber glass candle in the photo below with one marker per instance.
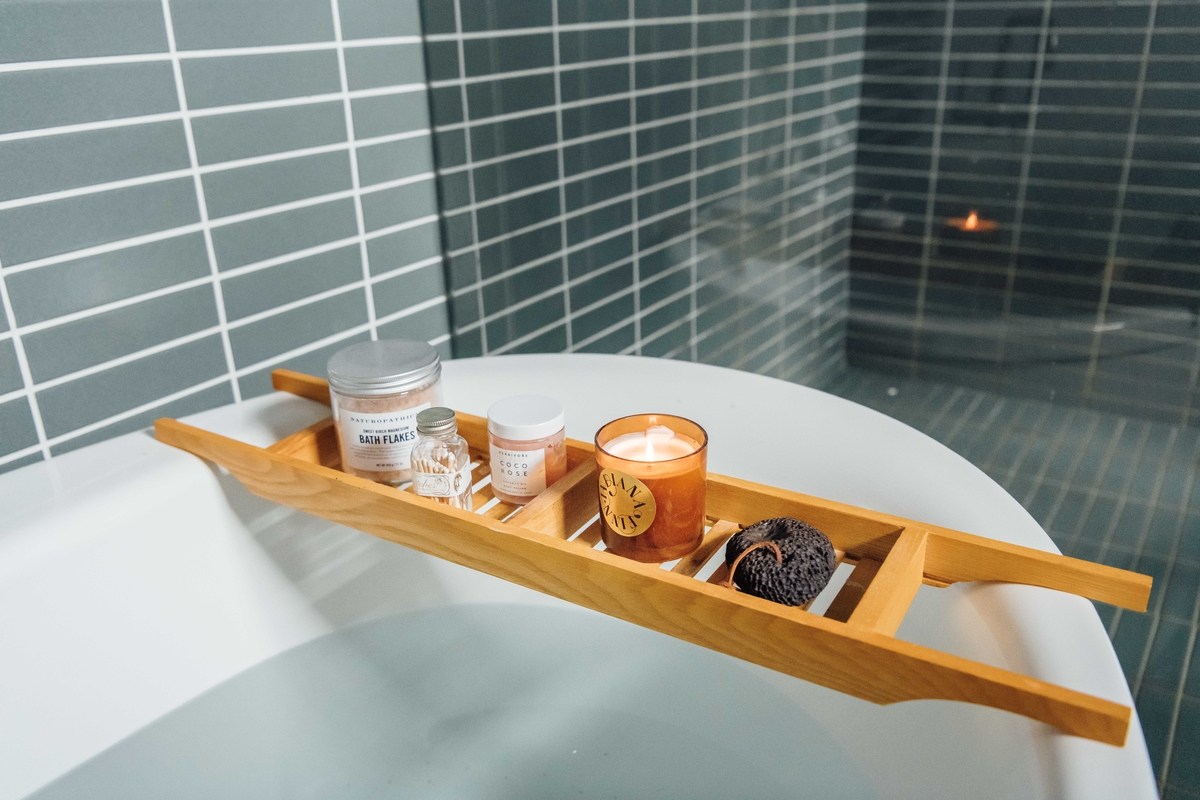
(653, 469)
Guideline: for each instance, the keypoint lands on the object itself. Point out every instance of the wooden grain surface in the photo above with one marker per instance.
(891, 592)
(951, 556)
(850, 649)
(853, 589)
(862, 663)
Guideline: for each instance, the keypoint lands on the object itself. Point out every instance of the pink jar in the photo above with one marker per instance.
(527, 446)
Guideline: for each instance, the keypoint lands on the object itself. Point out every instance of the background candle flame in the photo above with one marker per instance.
(972, 223)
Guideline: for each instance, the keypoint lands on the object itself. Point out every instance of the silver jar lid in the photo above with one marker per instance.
(437, 420)
(384, 367)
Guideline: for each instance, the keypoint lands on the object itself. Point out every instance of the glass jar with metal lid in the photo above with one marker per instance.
(376, 390)
(441, 460)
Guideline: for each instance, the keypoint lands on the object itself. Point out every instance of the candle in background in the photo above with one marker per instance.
(972, 223)
(653, 469)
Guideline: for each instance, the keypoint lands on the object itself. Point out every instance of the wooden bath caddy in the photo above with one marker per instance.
(549, 545)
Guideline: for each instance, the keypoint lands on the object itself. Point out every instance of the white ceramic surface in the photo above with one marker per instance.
(134, 579)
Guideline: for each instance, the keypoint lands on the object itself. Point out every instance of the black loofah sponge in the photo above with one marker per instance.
(808, 561)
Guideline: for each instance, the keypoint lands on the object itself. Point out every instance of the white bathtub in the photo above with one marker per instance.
(165, 634)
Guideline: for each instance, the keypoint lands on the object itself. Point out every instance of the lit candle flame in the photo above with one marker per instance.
(972, 223)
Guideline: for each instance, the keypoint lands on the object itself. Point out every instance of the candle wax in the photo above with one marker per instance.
(658, 443)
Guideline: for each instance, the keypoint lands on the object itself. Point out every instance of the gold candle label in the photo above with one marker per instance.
(626, 503)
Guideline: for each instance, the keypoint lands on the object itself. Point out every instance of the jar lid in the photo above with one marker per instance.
(523, 417)
(437, 420)
(384, 367)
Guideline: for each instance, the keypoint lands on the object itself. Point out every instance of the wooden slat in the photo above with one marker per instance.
(297, 383)
(836, 655)
(720, 575)
(316, 444)
(590, 536)
(482, 497)
(714, 539)
(498, 511)
(951, 556)
(566, 505)
(847, 598)
(891, 591)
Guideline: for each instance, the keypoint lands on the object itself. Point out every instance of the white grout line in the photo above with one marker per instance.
(813, 251)
(96, 188)
(644, 22)
(132, 412)
(210, 111)
(649, 158)
(699, 231)
(280, 358)
(407, 268)
(416, 308)
(23, 367)
(13, 395)
(175, 288)
(206, 169)
(270, 158)
(633, 225)
(128, 358)
(630, 228)
(83, 127)
(1119, 205)
(509, 346)
(1188, 654)
(561, 178)
(134, 58)
(647, 125)
(124, 302)
(308, 201)
(474, 218)
(744, 110)
(200, 199)
(693, 182)
(222, 52)
(16, 455)
(635, 228)
(634, 93)
(639, 58)
(108, 247)
(195, 171)
(290, 102)
(283, 308)
(267, 105)
(789, 117)
(355, 184)
(1014, 245)
(931, 197)
(800, 235)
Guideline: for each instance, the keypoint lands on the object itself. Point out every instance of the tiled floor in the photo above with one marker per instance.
(1107, 488)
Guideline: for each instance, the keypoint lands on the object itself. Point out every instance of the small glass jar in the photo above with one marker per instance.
(376, 390)
(440, 460)
(527, 446)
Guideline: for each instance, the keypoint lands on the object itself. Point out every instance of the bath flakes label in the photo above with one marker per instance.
(520, 473)
(442, 484)
(380, 442)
